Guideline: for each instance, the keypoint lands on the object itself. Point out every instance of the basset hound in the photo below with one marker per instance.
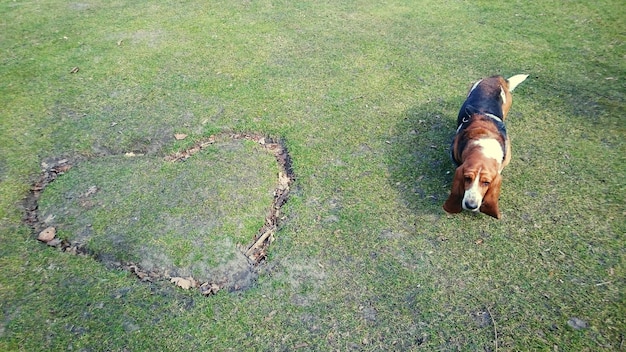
(481, 148)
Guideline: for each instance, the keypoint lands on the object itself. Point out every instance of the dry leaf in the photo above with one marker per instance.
(183, 283)
(180, 136)
(55, 242)
(91, 191)
(283, 181)
(47, 235)
(209, 288)
(62, 168)
(194, 283)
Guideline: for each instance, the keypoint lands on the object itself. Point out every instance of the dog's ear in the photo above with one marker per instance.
(453, 204)
(490, 200)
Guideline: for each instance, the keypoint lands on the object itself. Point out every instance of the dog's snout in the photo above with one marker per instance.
(471, 205)
(472, 198)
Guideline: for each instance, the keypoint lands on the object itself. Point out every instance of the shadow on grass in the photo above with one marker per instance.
(419, 160)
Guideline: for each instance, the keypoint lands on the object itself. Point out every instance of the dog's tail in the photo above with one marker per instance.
(515, 81)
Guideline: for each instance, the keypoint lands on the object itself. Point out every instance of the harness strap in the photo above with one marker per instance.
(499, 124)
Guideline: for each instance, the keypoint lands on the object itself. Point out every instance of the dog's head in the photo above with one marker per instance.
(475, 187)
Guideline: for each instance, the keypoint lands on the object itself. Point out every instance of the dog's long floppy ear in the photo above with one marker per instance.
(453, 204)
(514, 81)
(490, 200)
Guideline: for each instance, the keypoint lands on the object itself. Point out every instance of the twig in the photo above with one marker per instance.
(604, 283)
(259, 242)
(495, 329)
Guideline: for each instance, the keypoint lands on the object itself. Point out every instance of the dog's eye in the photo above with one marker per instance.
(486, 183)
(468, 179)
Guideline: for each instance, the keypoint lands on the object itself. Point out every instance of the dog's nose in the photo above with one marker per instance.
(470, 205)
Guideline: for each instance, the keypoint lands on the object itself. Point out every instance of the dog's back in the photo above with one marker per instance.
(485, 97)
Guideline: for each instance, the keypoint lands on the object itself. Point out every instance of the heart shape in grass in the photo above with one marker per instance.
(201, 217)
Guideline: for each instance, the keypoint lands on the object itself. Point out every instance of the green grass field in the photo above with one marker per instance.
(364, 96)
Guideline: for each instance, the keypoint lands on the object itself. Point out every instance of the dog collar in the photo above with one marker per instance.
(498, 122)
(468, 118)
(494, 117)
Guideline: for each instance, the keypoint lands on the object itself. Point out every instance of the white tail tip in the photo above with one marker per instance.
(515, 81)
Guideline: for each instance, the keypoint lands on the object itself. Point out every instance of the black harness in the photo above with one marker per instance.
(464, 120)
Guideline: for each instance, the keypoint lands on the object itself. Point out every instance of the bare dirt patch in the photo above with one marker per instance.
(154, 225)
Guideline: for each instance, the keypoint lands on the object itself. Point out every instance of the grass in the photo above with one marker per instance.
(365, 96)
(185, 218)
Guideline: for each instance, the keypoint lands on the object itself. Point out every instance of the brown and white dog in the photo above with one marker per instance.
(481, 147)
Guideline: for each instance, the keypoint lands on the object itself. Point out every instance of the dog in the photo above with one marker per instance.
(481, 147)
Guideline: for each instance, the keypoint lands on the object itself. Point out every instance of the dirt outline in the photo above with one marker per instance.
(255, 251)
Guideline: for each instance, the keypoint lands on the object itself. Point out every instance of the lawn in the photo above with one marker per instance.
(364, 97)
